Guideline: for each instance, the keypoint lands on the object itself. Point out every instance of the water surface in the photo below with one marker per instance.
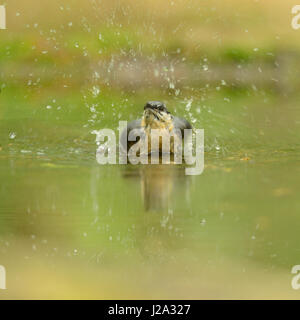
(71, 228)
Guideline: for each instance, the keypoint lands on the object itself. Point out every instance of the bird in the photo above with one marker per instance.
(155, 116)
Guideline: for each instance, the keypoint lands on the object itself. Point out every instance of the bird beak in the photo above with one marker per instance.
(150, 111)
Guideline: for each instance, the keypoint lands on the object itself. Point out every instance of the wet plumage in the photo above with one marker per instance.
(155, 116)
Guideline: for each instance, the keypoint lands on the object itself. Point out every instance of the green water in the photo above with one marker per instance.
(71, 228)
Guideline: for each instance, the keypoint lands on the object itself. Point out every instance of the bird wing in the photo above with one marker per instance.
(181, 123)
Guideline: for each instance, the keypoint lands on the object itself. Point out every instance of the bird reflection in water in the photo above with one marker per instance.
(159, 184)
(160, 229)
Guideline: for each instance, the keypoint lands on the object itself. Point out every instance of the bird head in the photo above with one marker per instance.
(156, 115)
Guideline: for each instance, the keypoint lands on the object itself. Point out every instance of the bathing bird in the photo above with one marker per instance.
(155, 116)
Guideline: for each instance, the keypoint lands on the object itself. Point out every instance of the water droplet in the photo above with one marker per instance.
(12, 135)
(95, 91)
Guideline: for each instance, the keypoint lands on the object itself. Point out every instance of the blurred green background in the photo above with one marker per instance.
(70, 228)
